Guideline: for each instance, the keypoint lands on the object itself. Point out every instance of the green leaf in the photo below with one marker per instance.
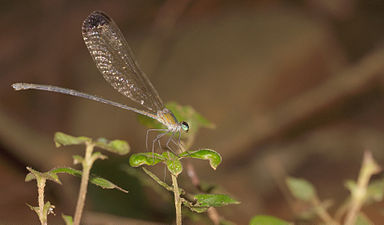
(29, 177)
(116, 146)
(48, 209)
(301, 189)
(207, 154)
(96, 180)
(188, 114)
(173, 163)
(350, 185)
(62, 139)
(52, 177)
(105, 184)
(375, 191)
(195, 207)
(362, 219)
(145, 158)
(98, 155)
(267, 220)
(77, 159)
(34, 208)
(67, 219)
(214, 200)
(34, 174)
(67, 170)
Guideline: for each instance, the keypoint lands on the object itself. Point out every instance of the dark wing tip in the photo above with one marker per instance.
(94, 20)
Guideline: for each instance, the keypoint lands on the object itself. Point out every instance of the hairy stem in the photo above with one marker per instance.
(177, 199)
(368, 169)
(87, 164)
(40, 189)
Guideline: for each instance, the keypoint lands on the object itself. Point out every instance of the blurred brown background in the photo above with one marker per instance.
(294, 88)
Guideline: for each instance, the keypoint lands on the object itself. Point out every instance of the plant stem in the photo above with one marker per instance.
(322, 212)
(87, 164)
(368, 169)
(155, 178)
(177, 199)
(40, 189)
(213, 215)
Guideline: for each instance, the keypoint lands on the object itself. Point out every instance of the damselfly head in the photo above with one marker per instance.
(184, 126)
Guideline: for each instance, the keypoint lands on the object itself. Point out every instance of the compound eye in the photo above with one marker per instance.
(185, 126)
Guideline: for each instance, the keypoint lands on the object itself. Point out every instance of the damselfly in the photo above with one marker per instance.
(114, 59)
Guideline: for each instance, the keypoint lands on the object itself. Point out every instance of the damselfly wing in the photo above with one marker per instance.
(115, 60)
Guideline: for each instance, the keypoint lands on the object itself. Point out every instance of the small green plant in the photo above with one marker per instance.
(198, 202)
(201, 202)
(45, 208)
(362, 192)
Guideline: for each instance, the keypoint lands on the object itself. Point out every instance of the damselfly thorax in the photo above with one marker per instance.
(169, 120)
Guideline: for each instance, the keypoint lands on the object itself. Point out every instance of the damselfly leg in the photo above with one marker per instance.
(150, 130)
(158, 139)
